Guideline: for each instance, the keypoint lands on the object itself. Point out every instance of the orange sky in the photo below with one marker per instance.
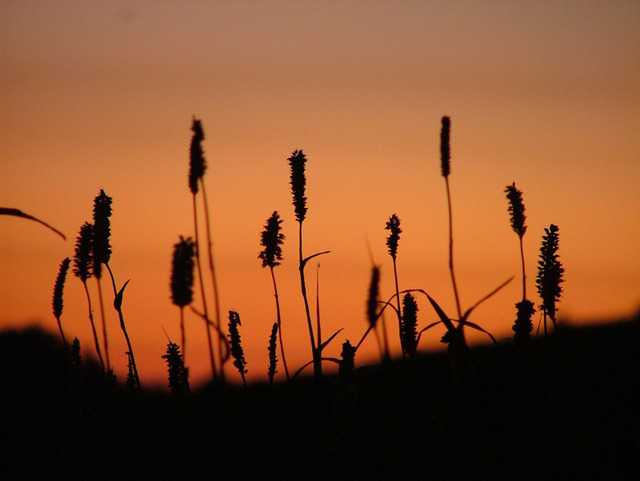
(101, 95)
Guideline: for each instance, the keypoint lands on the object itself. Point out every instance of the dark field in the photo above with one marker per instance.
(565, 408)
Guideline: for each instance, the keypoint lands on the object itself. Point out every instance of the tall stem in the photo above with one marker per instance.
(214, 280)
(204, 298)
(453, 277)
(279, 321)
(317, 362)
(524, 277)
(124, 328)
(93, 327)
(395, 276)
(104, 326)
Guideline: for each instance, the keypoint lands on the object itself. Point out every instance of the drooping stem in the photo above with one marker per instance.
(204, 298)
(279, 321)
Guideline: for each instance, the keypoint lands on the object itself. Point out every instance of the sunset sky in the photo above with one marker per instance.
(101, 95)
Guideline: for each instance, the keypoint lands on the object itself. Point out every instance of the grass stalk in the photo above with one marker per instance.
(117, 304)
(205, 307)
(214, 281)
(57, 296)
(445, 159)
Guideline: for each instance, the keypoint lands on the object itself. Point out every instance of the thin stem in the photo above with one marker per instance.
(124, 327)
(318, 329)
(395, 276)
(64, 339)
(279, 321)
(216, 298)
(104, 325)
(182, 336)
(204, 299)
(524, 277)
(453, 277)
(317, 364)
(93, 326)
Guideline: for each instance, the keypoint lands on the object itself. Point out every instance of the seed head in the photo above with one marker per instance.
(236, 347)
(347, 361)
(516, 209)
(273, 360)
(409, 321)
(372, 300)
(271, 239)
(550, 272)
(58, 287)
(445, 152)
(197, 164)
(178, 374)
(83, 256)
(182, 272)
(101, 232)
(298, 183)
(393, 225)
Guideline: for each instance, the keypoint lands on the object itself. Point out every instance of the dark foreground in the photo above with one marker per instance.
(567, 408)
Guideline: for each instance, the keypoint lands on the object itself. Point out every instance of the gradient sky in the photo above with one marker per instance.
(101, 95)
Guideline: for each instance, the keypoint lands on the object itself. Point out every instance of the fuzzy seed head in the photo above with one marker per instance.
(83, 254)
(58, 287)
(101, 232)
(178, 374)
(236, 347)
(393, 225)
(516, 209)
(550, 272)
(445, 151)
(298, 184)
(197, 163)
(347, 361)
(271, 239)
(409, 335)
(273, 360)
(372, 299)
(182, 272)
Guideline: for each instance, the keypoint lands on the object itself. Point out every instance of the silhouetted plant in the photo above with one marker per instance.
(347, 359)
(298, 184)
(522, 326)
(197, 168)
(178, 378)
(76, 357)
(409, 334)
(445, 167)
(550, 274)
(101, 252)
(236, 347)
(271, 239)
(393, 226)
(57, 295)
(182, 280)
(102, 255)
(373, 314)
(273, 359)
(82, 269)
(18, 213)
